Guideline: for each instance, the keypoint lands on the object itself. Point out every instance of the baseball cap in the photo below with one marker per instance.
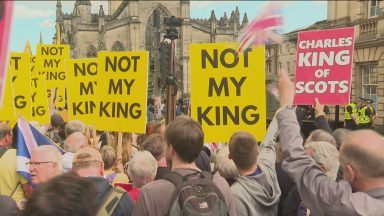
(368, 100)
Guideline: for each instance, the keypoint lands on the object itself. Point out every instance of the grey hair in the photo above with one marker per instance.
(340, 134)
(52, 153)
(74, 126)
(142, 168)
(321, 135)
(225, 166)
(326, 154)
(74, 142)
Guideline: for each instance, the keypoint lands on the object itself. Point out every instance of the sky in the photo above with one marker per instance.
(34, 17)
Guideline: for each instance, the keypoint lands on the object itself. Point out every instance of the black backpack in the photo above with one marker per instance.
(195, 196)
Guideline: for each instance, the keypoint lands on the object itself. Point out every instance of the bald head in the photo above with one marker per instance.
(364, 149)
(75, 141)
(87, 161)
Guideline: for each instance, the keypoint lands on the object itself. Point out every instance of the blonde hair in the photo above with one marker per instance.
(142, 168)
(109, 157)
(126, 145)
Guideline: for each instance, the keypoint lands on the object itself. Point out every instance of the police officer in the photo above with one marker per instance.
(365, 118)
(370, 106)
(350, 116)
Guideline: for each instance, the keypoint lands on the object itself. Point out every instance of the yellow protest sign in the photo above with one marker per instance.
(7, 111)
(40, 106)
(228, 90)
(50, 65)
(81, 82)
(21, 84)
(122, 91)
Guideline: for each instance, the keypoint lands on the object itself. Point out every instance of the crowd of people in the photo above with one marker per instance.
(171, 171)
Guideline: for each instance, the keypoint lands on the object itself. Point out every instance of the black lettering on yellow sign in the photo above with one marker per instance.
(83, 69)
(117, 110)
(20, 102)
(228, 62)
(83, 107)
(33, 96)
(87, 88)
(117, 87)
(122, 64)
(34, 82)
(212, 86)
(38, 111)
(15, 59)
(223, 114)
(52, 51)
(53, 75)
(51, 63)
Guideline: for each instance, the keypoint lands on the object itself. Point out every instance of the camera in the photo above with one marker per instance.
(173, 22)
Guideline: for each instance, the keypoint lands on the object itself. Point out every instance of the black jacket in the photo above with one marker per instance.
(126, 204)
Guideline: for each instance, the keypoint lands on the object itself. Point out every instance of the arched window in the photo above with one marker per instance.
(117, 46)
(91, 52)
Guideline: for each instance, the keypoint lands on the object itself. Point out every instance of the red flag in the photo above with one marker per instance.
(6, 9)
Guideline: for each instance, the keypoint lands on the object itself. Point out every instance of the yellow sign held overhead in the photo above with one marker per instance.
(21, 84)
(40, 105)
(228, 90)
(50, 66)
(7, 111)
(82, 83)
(122, 91)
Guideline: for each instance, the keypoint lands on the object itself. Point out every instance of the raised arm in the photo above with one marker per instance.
(319, 193)
(267, 147)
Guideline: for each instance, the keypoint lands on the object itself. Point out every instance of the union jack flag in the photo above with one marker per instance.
(264, 29)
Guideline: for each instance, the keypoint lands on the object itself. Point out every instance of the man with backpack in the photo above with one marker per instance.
(186, 190)
(256, 191)
(87, 162)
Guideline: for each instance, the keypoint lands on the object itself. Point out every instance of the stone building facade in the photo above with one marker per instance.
(129, 26)
(368, 63)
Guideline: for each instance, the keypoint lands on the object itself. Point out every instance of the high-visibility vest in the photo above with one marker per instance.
(372, 109)
(348, 116)
(363, 119)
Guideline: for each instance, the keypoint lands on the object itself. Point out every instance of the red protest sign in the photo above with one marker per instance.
(5, 30)
(324, 66)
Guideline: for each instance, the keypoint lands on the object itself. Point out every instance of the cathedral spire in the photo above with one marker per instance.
(83, 2)
(245, 20)
(213, 16)
(225, 16)
(232, 19)
(75, 11)
(59, 12)
(27, 48)
(237, 12)
(101, 11)
(41, 38)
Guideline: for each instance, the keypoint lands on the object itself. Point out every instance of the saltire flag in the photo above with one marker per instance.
(264, 28)
(28, 138)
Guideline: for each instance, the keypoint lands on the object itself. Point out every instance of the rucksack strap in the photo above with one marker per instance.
(14, 190)
(110, 202)
(111, 177)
